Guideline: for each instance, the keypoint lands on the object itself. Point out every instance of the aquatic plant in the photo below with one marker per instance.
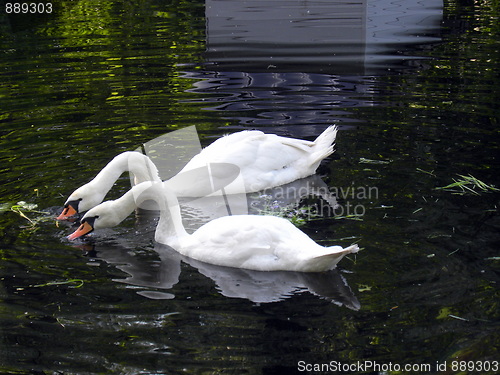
(301, 214)
(293, 213)
(23, 208)
(468, 185)
(72, 283)
(372, 161)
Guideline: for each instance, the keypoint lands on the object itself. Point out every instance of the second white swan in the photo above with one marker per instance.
(262, 243)
(262, 161)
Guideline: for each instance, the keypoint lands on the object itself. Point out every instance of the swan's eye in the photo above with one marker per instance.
(96, 217)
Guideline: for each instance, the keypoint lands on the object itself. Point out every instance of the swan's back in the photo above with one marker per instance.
(267, 160)
(263, 243)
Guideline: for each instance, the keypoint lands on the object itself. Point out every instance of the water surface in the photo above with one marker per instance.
(414, 91)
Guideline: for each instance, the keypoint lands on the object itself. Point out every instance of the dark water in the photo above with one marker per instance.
(415, 92)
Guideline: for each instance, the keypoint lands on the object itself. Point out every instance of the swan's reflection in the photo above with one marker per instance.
(160, 276)
(196, 212)
(290, 195)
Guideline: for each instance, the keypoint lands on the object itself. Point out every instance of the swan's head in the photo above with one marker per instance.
(101, 216)
(81, 200)
(91, 194)
(111, 213)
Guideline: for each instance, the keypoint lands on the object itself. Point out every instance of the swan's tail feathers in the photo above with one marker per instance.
(324, 145)
(329, 260)
(351, 249)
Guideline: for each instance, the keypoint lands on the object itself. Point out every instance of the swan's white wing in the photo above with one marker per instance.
(252, 148)
(265, 160)
(255, 242)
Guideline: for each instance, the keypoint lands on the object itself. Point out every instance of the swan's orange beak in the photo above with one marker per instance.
(82, 230)
(67, 212)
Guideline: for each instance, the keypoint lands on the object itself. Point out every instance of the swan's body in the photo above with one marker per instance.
(262, 243)
(264, 161)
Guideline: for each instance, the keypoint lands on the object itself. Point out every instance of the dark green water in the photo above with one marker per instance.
(415, 92)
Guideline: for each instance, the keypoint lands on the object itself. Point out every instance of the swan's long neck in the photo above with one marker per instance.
(136, 163)
(170, 229)
(122, 207)
(139, 165)
(105, 179)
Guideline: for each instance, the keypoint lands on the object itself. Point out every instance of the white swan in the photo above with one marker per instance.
(93, 192)
(262, 243)
(264, 161)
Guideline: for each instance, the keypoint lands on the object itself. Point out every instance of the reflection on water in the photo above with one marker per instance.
(302, 98)
(310, 59)
(160, 276)
(340, 37)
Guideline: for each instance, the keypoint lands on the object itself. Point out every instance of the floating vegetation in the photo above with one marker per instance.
(458, 317)
(300, 215)
(431, 173)
(297, 216)
(22, 209)
(372, 161)
(349, 217)
(468, 185)
(72, 283)
(364, 288)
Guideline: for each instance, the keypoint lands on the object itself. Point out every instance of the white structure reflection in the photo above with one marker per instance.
(349, 37)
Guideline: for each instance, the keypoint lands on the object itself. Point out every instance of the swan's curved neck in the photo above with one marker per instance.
(110, 173)
(136, 163)
(122, 207)
(139, 165)
(170, 229)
